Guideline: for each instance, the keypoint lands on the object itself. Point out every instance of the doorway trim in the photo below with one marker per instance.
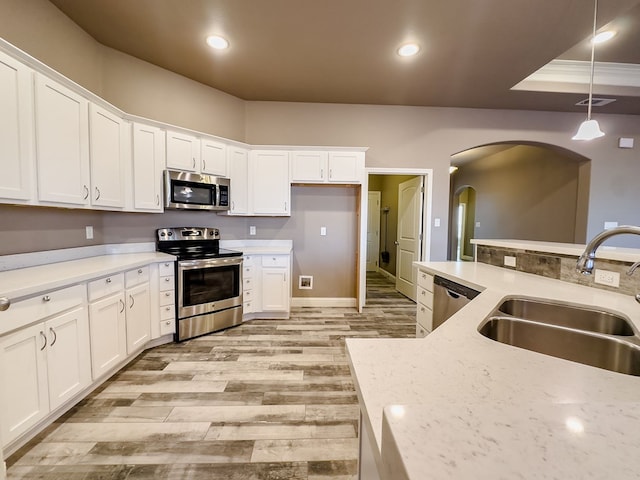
(427, 206)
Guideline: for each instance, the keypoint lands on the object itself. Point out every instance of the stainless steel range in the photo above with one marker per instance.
(209, 280)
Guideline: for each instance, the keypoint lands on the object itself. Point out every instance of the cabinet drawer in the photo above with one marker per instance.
(105, 286)
(247, 271)
(168, 298)
(167, 327)
(247, 284)
(425, 280)
(166, 268)
(136, 276)
(41, 306)
(424, 317)
(247, 307)
(425, 297)
(421, 332)
(248, 260)
(167, 283)
(275, 261)
(167, 312)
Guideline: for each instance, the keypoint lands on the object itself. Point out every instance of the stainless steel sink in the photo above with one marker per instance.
(585, 335)
(597, 350)
(567, 315)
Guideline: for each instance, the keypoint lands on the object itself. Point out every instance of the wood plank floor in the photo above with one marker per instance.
(270, 399)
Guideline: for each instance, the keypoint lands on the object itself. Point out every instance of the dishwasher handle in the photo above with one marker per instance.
(455, 290)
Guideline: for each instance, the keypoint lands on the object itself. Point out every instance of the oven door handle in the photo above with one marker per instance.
(211, 262)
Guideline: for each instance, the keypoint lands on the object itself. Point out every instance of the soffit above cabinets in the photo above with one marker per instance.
(472, 52)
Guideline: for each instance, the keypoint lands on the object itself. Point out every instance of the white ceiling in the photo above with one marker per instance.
(343, 51)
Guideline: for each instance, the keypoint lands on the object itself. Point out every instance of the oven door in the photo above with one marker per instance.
(206, 286)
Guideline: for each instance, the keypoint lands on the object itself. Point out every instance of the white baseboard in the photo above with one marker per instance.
(389, 276)
(324, 302)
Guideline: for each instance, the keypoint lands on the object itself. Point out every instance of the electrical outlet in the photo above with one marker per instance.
(509, 261)
(89, 232)
(323, 231)
(607, 277)
(252, 230)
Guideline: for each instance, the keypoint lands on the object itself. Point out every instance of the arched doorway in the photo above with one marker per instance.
(523, 190)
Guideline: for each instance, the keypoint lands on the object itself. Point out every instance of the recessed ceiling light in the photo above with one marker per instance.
(408, 50)
(217, 42)
(604, 36)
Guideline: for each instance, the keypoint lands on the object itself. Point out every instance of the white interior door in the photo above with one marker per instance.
(409, 235)
(373, 231)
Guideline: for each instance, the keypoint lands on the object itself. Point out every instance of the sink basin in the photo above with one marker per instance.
(566, 315)
(616, 354)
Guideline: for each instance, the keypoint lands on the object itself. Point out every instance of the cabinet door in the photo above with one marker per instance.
(16, 130)
(24, 397)
(108, 334)
(346, 167)
(270, 185)
(309, 167)
(138, 317)
(214, 157)
(275, 289)
(108, 151)
(148, 164)
(239, 176)
(183, 151)
(62, 138)
(68, 358)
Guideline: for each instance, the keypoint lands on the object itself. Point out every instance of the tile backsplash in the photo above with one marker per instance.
(560, 267)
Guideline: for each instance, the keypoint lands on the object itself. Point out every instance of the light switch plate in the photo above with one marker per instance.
(323, 231)
(89, 232)
(252, 230)
(509, 261)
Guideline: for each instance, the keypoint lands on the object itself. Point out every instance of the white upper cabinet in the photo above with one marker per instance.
(148, 164)
(239, 176)
(309, 167)
(270, 183)
(109, 155)
(183, 151)
(16, 130)
(327, 167)
(62, 143)
(346, 167)
(213, 157)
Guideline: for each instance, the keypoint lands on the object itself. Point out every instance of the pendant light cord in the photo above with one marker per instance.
(593, 56)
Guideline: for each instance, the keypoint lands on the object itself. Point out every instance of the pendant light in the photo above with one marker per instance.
(589, 129)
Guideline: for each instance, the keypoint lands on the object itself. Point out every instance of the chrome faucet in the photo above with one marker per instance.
(586, 262)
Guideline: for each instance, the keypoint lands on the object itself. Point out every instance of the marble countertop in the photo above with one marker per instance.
(23, 282)
(455, 373)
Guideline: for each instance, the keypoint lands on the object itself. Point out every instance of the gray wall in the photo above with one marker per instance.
(413, 137)
(524, 192)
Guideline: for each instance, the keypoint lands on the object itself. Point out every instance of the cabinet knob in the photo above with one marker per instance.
(167, 309)
(139, 271)
(167, 279)
(168, 322)
(167, 264)
(5, 303)
(108, 280)
(46, 298)
(167, 294)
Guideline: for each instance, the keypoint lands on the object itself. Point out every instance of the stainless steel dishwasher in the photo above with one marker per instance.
(448, 298)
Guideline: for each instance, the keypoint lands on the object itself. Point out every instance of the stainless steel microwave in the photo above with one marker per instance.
(187, 190)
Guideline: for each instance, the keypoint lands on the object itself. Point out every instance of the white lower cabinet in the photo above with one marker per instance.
(41, 367)
(250, 303)
(424, 306)
(167, 302)
(138, 314)
(276, 284)
(107, 325)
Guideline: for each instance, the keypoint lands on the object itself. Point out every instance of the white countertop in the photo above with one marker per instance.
(621, 254)
(23, 282)
(456, 372)
(259, 247)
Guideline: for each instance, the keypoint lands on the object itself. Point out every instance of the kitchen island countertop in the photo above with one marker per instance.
(453, 393)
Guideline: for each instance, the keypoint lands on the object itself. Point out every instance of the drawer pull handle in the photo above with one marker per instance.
(55, 337)
(108, 280)
(44, 337)
(122, 306)
(5, 303)
(46, 298)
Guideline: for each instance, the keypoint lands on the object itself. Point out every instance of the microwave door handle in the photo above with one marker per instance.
(217, 189)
